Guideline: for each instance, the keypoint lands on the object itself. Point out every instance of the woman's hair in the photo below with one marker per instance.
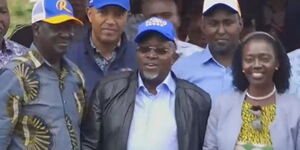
(280, 77)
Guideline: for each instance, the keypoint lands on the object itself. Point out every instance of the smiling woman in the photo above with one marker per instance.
(246, 117)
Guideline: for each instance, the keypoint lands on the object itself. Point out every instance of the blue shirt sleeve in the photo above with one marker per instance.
(10, 105)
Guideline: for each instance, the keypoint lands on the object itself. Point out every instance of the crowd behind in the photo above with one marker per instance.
(151, 75)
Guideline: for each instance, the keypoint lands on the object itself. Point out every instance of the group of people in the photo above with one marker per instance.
(83, 85)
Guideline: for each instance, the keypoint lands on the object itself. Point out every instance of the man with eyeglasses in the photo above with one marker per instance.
(105, 49)
(149, 108)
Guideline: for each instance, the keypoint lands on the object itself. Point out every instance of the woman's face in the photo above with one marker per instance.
(259, 63)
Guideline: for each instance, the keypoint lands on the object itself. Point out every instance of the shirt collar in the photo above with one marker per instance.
(206, 55)
(4, 48)
(38, 60)
(168, 82)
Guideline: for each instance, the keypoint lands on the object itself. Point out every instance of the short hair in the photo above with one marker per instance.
(280, 77)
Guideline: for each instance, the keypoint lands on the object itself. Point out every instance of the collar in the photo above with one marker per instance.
(169, 82)
(206, 55)
(38, 60)
(4, 48)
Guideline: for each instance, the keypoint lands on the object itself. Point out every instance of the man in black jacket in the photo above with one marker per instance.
(151, 108)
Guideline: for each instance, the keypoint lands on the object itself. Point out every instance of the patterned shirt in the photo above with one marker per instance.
(251, 138)
(40, 108)
(294, 57)
(103, 63)
(9, 50)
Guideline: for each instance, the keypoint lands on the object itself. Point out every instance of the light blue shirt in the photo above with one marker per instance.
(154, 125)
(294, 57)
(204, 71)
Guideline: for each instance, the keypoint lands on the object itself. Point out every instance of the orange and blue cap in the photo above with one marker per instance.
(53, 12)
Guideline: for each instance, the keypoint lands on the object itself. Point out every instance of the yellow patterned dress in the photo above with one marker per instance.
(251, 138)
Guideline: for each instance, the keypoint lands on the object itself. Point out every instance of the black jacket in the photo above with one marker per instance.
(107, 123)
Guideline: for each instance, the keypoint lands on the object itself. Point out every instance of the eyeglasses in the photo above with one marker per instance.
(256, 123)
(157, 50)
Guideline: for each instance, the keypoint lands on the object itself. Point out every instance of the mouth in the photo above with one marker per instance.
(151, 66)
(109, 30)
(257, 75)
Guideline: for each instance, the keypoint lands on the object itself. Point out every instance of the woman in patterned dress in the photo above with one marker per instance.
(259, 115)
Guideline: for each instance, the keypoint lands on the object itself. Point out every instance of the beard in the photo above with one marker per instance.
(150, 75)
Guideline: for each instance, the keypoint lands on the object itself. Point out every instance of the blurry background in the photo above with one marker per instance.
(20, 13)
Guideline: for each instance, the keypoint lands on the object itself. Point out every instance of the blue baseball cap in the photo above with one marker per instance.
(53, 12)
(102, 3)
(159, 25)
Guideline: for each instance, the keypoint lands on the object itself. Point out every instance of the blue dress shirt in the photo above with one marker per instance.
(154, 125)
(204, 71)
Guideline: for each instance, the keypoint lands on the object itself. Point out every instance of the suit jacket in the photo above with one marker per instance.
(225, 121)
(107, 124)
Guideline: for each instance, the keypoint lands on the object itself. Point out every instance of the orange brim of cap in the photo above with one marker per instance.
(61, 19)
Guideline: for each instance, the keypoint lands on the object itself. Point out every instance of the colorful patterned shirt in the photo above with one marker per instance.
(251, 138)
(40, 108)
(10, 49)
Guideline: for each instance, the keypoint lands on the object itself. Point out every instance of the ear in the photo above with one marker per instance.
(89, 13)
(35, 29)
(202, 25)
(241, 23)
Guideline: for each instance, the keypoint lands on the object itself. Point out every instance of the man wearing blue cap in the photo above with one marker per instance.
(42, 93)
(105, 49)
(150, 108)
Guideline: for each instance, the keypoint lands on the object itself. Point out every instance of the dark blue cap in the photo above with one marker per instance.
(102, 3)
(159, 25)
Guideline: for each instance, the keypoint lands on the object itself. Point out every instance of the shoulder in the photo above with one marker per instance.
(192, 90)
(18, 49)
(116, 78)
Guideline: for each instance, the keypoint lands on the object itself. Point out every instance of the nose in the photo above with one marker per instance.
(152, 54)
(221, 29)
(257, 63)
(110, 19)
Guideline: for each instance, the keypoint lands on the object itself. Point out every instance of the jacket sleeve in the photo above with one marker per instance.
(210, 140)
(91, 123)
(10, 105)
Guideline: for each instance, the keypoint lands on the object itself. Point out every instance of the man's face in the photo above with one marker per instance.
(107, 23)
(222, 29)
(79, 7)
(54, 38)
(4, 18)
(196, 36)
(155, 57)
(163, 9)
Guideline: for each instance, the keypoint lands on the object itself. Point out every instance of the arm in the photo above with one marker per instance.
(10, 102)
(91, 123)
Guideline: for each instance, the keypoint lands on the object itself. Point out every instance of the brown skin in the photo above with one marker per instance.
(107, 27)
(52, 40)
(4, 19)
(259, 64)
(196, 35)
(166, 9)
(79, 7)
(155, 67)
(222, 30)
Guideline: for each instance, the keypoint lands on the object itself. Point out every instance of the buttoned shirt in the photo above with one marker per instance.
(154, 126)
(204, 71)
(294, 57)
(10, 49)
(40, 107)
(102, 62)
